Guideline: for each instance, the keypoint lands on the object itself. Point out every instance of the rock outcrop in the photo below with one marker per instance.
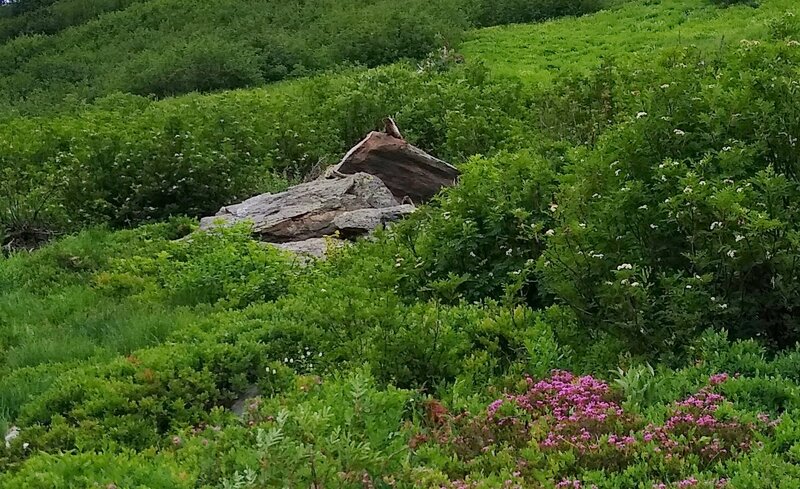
(368, 189)
(308, 210)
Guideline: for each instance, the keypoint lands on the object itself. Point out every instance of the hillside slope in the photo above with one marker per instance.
(608, 299)
(631, 30)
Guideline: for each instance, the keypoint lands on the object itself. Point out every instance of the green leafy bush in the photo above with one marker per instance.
(679, 221)
(106, 470)
(224, 267)
(483, 236)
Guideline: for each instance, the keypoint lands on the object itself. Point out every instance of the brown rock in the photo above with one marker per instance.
(405, 169)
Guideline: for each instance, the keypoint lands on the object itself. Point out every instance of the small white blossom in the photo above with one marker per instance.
(617, 172)
(739, 237)
(625, 266)
(727, 148)
(653, 226)
(688, 286)
(509, 252)
(678, 132)
(635, 284)
(723, 306)
(549, 232)
(641, 114)
(643, 207)
(11, 435)
(553, 207)
(582, 225)
(716, 225)
(687, 190)
(665, 86)
(732, 253)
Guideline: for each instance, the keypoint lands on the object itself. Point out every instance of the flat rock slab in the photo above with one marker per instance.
(405, 169)
(305, 211)
(364, 221)
(312, 247)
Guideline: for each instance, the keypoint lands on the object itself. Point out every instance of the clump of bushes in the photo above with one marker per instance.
(678, 221)
(205, 46)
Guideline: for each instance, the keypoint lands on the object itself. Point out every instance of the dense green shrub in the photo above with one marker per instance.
(203, 46)
(497, 12)
(735, 2)
(27, 17)
(684, 216)
(202, 65)
(224, 267)
(106, 470)
(482, 237)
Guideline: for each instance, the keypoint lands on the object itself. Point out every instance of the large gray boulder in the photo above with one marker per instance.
(405, 169)
(308, 210)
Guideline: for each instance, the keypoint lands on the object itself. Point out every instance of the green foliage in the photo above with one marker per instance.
(128, 469)
(222, 267)
(678, 221)
(488, 13)
(634, 221)
(204, 46)
(129, 161)
(735, 2)
(481, 238)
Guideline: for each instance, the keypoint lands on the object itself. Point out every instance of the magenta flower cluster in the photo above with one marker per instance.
(581, 414)
(693, 429)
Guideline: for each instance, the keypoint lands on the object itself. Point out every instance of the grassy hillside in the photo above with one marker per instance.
(607, 299)
(70, 51)
(631, 30)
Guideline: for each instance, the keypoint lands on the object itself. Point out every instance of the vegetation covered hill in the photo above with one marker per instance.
(608, 298)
